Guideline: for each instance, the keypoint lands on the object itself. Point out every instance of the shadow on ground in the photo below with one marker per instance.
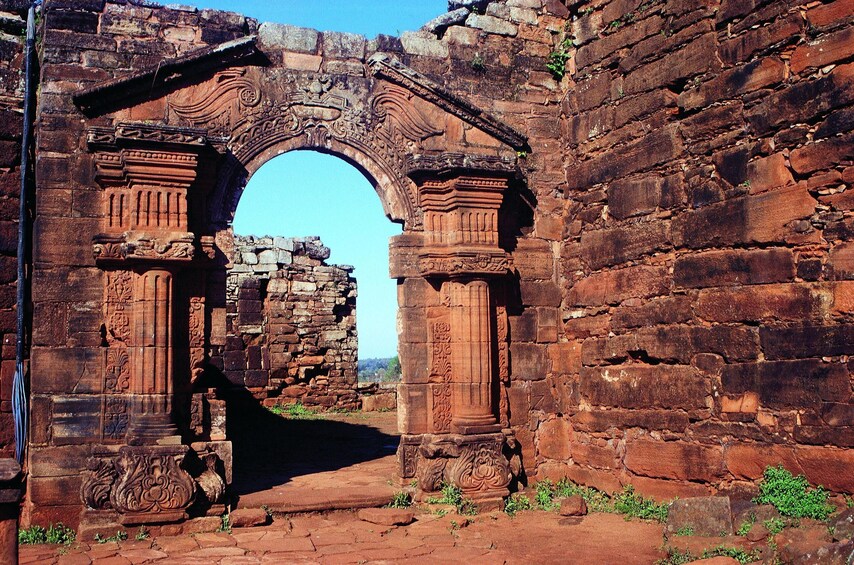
(270, 450)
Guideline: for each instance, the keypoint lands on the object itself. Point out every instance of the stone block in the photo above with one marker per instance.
(828, 467)
(645, 386)
(747, 461)
(491, 24)
(387, 516)
(554, 437)
(609, 247)
(342, 45)
(788, 384)
(806, 341)
(416, 44)
(734, 82)
(72, 369)
(793, 302)
(803, 100)
(733, 267)
(767, 173)
(565, 358)
(528, 361)
(693, 59)
(705, 516)
(535, 293)
(612, 287)
(287, 37)
(824, 50)
(248, 517)
(674, 460)
(573, 506)
(762, 218)
(670, 310)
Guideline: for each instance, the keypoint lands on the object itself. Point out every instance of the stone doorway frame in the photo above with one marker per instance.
(169, 189)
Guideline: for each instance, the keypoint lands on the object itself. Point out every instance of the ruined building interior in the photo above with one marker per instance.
(626, 254)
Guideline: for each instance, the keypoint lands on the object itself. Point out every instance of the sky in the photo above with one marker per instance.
(306, 193)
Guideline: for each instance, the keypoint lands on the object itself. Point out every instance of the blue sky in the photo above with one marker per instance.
(307, 193)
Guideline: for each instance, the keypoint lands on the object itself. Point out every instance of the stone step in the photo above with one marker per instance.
(318, 500)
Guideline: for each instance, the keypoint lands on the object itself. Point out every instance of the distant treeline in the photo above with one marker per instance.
(383, 370)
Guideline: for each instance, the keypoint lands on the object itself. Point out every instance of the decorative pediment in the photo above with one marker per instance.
(386, 67)
(139, 85)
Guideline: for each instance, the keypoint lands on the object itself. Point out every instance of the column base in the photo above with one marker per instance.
(152, 429)
(474, 463)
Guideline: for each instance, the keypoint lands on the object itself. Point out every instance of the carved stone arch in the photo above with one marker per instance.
(397, 196)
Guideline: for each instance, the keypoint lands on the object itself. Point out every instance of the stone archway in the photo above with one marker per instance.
(171, 170)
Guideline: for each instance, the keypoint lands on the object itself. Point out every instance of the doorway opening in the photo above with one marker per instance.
(309, 242)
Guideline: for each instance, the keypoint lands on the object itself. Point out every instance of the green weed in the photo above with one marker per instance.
(55, 534)
(225, 526)
(685, 531)
(516, 503)
(120, 535)
(597, 501)
(142, 534)
(296, 411)
(774, 525)
(746, 525)
(401, 500)
(793, 496)
(676, 557)
(736, 553)
(634, 505)
(557, 59)
(453, 496)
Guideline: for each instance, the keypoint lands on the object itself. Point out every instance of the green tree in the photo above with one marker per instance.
(393, 370)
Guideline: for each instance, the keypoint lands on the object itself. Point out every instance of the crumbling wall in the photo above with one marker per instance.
(291, 323)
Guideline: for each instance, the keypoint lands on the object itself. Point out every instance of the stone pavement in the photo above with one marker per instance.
(340, 537)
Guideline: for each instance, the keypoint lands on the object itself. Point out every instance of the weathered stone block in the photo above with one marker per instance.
(644, 386)
(554, 437)
(674, 460)
(789, 384)
(753, 219)
(528, 361)
(705, 516)
(611, 287)
(731, 267)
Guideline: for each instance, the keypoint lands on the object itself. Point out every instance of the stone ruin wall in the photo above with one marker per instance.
(12, 29)
(290, 326)
(683, 314)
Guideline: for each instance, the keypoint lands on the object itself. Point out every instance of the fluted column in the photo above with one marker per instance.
(151, 358)
(471, 354)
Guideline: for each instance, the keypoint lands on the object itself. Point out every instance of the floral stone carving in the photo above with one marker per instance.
(151, 486)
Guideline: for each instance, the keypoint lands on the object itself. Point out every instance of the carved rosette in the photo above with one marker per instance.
(481, 470)
(151, 482)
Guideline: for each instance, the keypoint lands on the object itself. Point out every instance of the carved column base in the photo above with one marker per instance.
(474, 463)
(143, 484)
(151, 485)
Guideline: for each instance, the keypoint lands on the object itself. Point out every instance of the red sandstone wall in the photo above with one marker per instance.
(12, 33)
(706, 256)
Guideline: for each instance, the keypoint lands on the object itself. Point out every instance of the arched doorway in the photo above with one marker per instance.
(170, 189)
(299, 437)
